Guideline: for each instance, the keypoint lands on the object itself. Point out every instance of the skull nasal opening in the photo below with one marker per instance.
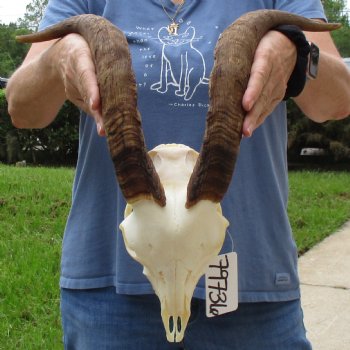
(175, 327)
(171, 324)
(179, 323)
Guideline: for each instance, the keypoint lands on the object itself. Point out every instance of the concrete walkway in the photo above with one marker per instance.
(325, 292)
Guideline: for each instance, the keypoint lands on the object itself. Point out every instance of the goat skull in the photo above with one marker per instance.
(174, 244)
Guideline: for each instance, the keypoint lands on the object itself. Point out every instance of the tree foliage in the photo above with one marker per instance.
(56, 144)
(11, 53)
(34, 13)
(333, 136)
(336, 12)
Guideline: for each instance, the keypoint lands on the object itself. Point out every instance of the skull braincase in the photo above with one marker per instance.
(174, 244)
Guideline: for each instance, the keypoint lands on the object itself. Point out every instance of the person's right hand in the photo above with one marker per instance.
(77, 71)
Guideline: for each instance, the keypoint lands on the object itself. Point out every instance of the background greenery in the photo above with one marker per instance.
(332, 136)
(55, 144)
(34, 204)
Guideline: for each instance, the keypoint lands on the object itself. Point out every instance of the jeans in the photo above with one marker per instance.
(100, 319)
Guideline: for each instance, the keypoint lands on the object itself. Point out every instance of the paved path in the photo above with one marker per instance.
(325, 290)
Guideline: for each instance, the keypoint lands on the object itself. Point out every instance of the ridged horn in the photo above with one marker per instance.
(135, 171)
(234, 55)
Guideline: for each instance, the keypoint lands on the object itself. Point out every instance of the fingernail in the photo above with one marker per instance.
(249, 131)
(250, 105)
(91, 103)
(99, 128)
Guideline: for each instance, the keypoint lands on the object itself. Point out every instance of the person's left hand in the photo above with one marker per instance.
(273, 64)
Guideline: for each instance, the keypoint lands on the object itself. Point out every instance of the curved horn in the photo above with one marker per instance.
(135, 171)
(234, 56)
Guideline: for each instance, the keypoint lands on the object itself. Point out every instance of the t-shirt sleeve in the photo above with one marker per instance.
(308, 8)
(58, 10)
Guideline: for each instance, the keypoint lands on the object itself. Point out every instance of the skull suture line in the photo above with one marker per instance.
(174, 244)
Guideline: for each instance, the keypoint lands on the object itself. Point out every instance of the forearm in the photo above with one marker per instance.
(51, 73)
(328, 96)
(36, 92)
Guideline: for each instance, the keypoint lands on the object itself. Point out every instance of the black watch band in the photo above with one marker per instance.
(302, 66)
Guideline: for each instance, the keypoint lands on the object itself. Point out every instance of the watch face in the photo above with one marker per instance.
(313, 62)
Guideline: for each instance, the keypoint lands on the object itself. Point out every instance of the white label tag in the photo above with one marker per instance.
(221, 284)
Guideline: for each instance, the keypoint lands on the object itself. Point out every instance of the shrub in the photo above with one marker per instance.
(332, 136)
(55, 144)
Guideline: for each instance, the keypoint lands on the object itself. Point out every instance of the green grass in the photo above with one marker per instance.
(34, 203)
(319, 204)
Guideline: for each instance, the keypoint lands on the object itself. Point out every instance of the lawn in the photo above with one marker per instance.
(319, 204)
(34, 203)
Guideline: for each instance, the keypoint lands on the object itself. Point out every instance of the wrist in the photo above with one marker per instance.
(53, 65)
(35, 91)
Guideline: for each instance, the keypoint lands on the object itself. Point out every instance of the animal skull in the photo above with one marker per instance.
(174, 244)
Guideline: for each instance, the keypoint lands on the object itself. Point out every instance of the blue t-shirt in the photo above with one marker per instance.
(172, 80)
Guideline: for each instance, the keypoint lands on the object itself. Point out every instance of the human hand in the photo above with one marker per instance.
(78, 75)
(273, 64)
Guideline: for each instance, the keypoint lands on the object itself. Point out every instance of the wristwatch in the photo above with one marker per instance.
(312, 67)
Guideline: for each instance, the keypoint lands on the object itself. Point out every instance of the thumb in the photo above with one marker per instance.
(96, 113)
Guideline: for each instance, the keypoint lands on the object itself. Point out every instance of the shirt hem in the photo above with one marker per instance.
(87, 283)
(145, 288)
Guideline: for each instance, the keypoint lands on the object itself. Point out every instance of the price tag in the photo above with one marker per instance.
(221, 282)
